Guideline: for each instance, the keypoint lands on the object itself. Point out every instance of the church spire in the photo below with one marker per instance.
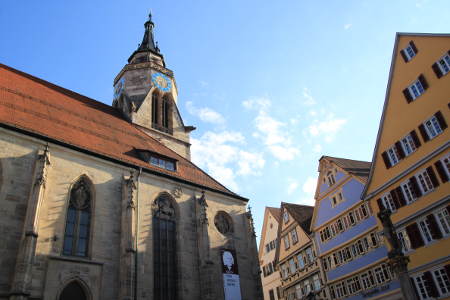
(148, 42)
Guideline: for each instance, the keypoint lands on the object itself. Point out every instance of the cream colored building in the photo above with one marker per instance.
(296, 256)
(270, 276)
(101, 202)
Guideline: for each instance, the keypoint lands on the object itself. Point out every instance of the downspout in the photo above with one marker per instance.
(137, 236)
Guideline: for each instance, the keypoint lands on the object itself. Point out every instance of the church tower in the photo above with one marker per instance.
(145, 92)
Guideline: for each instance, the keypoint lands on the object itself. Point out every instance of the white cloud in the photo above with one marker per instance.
(327, 127)
(203, 83)
(308, 98)
(270, 131)
(317, 148)
(221, 155)
(292, 186)
(309, 189)
(347, 26)
(205, 114)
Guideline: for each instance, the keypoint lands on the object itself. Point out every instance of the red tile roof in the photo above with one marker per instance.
(37, 107)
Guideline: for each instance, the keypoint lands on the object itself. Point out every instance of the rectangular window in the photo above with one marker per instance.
(316, 281)
(292, 266)
(424, 226)
(404, 240)
(443, 218)
(374, 239)
(309, 255)
(408, 192)
(422, 287)
(286, 242)
(298, 291)
(271, 295)
(351, 218)
(388, 202)
(353, 285)
(424, 181)
(301, 262)
(393, 155)
(432, 127)
(409, 52)
(294, 236)
(446, 164)
(408, 144)
(416, 89)
(285, 217)
(339, 225)
(365, 210)
(444, 65)
(330, 178)
(443, 282)
(284, 270)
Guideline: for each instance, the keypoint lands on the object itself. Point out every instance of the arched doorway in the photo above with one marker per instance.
(73, 291)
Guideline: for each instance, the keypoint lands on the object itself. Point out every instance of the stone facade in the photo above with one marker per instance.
(125, 167)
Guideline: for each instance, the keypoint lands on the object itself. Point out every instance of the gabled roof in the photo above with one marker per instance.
(386, 100)
(36, 107)
(275, 212)
(354, 167)
(301, 213)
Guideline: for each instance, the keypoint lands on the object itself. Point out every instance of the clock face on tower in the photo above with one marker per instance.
(161, 81)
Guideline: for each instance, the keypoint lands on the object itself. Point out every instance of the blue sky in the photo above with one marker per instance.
(270, 85)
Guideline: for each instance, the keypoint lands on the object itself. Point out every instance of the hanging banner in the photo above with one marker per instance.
(231, 283)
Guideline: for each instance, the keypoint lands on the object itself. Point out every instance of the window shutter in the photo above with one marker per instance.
(441, 120)
(380, 204)
(437, 70)
(395, 198)
(400, 151)
(423, 132)
(405, 58)
(415, 187)
(407, 95)
(414, 235)
(448, 209)
(440, 168)
(423, 81)
(431, 286)
(436, 233)
(415, 138)
(413, 46)
(432, 176)
(401, 197)
(386, 160)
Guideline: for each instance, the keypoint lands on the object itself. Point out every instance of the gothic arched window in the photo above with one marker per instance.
(73, 291)
(166, 112)
(164, 249)
(78, 220)
(154, 108)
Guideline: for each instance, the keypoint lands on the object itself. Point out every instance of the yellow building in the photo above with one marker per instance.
(296, 256)
(411, 168)
(270, 277)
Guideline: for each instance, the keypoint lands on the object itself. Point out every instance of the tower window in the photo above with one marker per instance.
(165, 113)
(154, 109)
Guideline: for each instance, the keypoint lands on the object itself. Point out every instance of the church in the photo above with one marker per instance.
(102, 202)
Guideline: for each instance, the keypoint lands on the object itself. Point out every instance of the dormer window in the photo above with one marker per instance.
(157, 160)
(162, 163)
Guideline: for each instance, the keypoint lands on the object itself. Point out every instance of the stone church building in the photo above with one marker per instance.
(103, 202)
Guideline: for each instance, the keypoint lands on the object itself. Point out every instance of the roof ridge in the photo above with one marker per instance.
(342, 158)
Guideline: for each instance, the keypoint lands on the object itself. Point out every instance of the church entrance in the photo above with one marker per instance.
(73, 291)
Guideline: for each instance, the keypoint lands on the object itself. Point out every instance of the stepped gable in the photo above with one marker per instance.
(39, 108)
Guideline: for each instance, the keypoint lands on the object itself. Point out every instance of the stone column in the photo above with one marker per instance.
(254, 258)
(21, 285)
(204, 249)
(397, 260)
(128, 239)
